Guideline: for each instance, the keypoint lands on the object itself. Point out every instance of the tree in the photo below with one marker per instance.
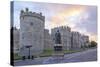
(93, 44)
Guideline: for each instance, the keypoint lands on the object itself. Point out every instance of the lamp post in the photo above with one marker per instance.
(29, 46)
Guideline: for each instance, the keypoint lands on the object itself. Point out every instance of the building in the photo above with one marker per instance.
(16, 40)
(75, 40)
(48, 44)
(79, 40)
(85, 40)
(31, 33)
(65, 36)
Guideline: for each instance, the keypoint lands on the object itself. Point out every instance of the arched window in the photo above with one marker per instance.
(31, 23)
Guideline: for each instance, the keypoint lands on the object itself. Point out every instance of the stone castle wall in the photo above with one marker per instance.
(65, 36)
(16, 40)
(31, 32)
(48, 42)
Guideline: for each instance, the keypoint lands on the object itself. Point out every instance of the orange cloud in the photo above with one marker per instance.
(59, 18)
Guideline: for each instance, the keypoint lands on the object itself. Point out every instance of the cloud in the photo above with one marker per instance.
(67, 16)
(89, 22)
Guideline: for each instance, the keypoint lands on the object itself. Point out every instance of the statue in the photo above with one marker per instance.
(57, 37)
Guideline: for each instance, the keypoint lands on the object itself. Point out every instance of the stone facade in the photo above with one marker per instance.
(79, 40)
(31, 32)
(85, 40)
(76, 42)
(16, 40)
(48, 43)
(70, 39)
(65, 36)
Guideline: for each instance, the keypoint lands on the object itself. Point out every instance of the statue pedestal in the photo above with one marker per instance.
(58, 45)
(58, 50)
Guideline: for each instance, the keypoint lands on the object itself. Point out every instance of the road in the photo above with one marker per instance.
(88, 55)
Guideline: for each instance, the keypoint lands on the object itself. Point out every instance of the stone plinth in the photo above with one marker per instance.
(58, 50)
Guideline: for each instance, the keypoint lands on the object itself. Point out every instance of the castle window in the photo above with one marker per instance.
(23, 17)
(31, 23)
(22, 37)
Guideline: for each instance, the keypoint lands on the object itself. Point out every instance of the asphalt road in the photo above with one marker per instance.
(88, 55)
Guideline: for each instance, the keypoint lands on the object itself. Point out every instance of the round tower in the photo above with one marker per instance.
(31, 32)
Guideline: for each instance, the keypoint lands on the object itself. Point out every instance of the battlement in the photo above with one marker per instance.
(75, 32)
(63, 28)
(32, 14)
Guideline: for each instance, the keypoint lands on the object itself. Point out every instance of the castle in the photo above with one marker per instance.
(34, 37)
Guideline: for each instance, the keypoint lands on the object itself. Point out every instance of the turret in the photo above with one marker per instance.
(32, 14)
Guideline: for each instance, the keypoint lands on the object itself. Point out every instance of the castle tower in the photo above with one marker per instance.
(31, 32)
(65, 36)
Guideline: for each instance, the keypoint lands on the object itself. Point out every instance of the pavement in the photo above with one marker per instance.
(89, 55)
(84, 56)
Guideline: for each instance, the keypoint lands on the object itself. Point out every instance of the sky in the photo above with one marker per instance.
(81, 18)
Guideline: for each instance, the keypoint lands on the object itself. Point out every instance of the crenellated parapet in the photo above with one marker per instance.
(32, 14)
